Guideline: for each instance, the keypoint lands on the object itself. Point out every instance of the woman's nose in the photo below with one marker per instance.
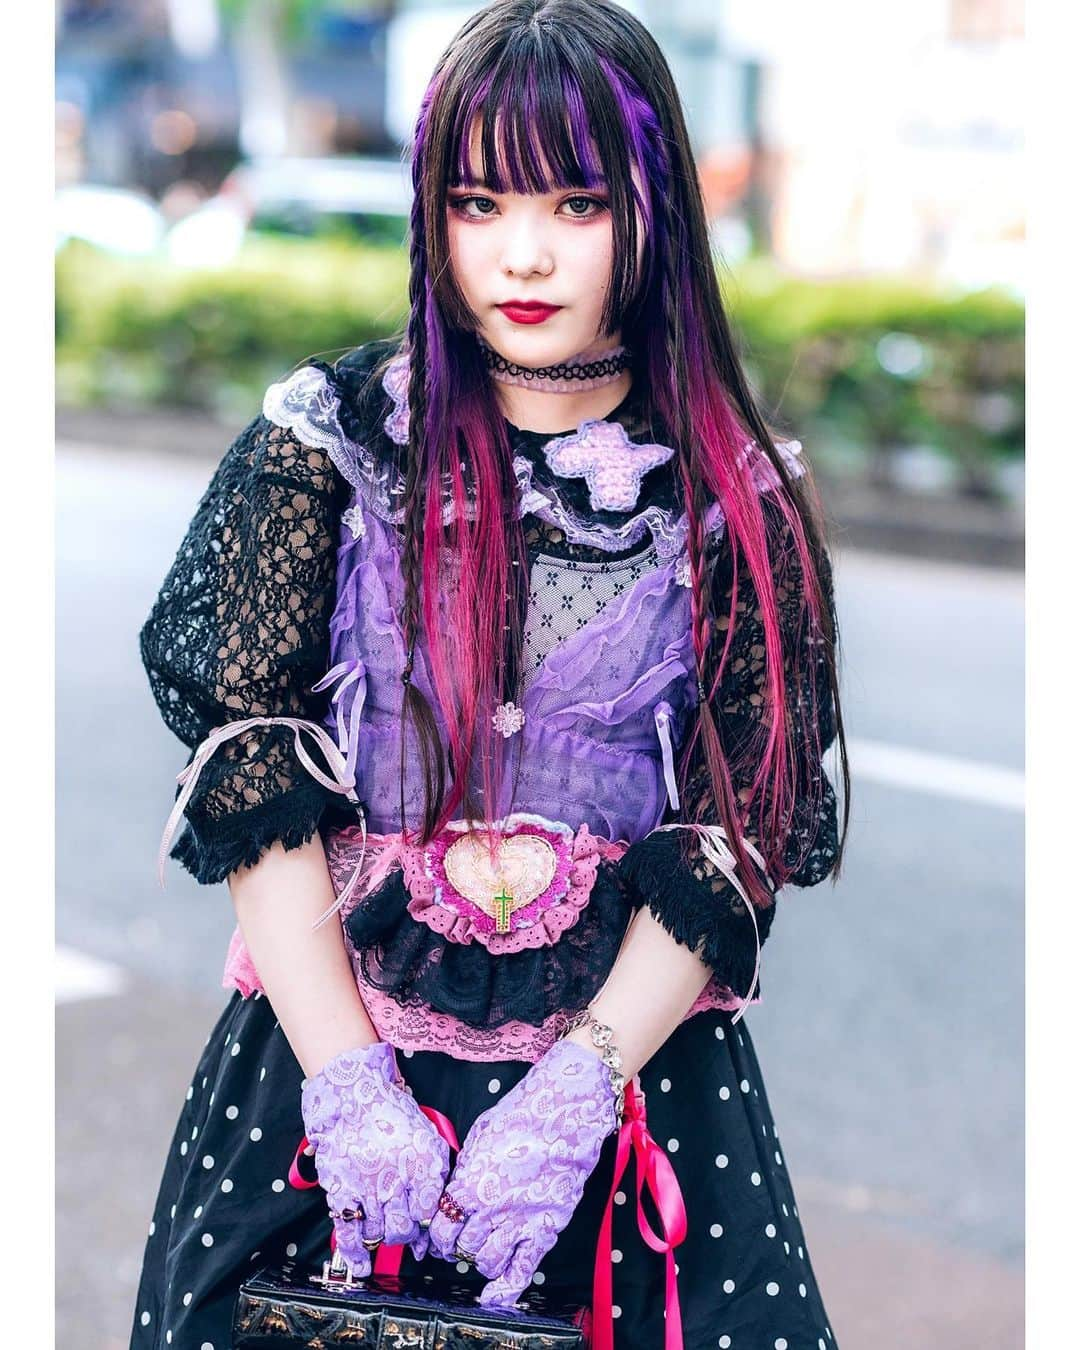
(526, 253)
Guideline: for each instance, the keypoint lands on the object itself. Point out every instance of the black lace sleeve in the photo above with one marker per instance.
(695, 902)
(240, 629)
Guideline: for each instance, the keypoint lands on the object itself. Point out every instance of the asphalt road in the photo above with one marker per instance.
(891, 1032)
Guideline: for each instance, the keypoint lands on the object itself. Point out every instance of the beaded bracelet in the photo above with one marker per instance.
(600, 1034)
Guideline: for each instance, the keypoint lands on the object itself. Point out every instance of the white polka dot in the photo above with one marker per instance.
(716, 1230)
(231, 1112)
(236, 1049)
(802, 1254)
(776, 1133)
(821, 1344)
(539, 1277)
(208, 1239)
(721, 1160)
(408, 1053)
(729, 1286)
(784, 1208)
(262, 1074)
(168, 1338)
(780, 1343)
(770, 1230)
(191, 1092)
(291, 1249)
(665, 1084)
(208, 1161)
(802, 1290)
(228, 1037)
(204, 1081)
(616, 1255)
(145, 1319)
(772, 1289)
(211, 1101)
(226, 1185)
(620, 1197)
(195, 1133)
(724, 1342)
(172, 1212)
(725, 1093)
(755, 1178)
(673, 1145)
(494, 1085)
(277, 1185)
(616, 1311)
(462, 1267)
(787, 1248)
(796, 1209)
(828, 1333)
(744, 1085)
(186, 1300)
(198, 1212)
(153, 1227)
(207, 1345)
(255, 1135)
(719, 1033)
(255, 1256)
(183, 1148)
(779, 1160)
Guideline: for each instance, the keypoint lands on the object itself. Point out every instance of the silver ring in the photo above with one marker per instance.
(371, 1243)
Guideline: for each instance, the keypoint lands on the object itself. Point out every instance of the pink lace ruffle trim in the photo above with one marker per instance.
(418, 1027)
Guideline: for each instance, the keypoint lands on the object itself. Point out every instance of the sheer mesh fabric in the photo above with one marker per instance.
(241, 629)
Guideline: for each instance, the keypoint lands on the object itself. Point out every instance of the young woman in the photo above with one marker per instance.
(510, 645)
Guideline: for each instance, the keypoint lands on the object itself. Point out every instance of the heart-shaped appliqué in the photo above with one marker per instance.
(524, 867)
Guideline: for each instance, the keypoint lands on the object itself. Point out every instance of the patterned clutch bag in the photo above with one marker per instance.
(278, 1309)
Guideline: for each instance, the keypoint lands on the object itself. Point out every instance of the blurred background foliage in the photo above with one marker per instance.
(878, 376)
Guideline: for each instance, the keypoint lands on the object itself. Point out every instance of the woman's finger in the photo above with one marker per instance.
(399, 1226)
(444, 1234)
(506, 1289)
(493, 1255)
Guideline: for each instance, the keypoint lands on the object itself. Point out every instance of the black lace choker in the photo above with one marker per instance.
(569, 376)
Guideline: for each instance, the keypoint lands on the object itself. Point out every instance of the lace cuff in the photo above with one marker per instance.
(700, 907)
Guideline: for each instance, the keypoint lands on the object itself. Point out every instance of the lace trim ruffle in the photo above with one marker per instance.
(308, 405)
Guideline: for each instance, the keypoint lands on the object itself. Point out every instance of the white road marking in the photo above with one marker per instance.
(942, 775)
(78, 976)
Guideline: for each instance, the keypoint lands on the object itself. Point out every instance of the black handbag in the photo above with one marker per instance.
(286, 1309)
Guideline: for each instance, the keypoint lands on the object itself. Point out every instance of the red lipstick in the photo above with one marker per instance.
(528, 311)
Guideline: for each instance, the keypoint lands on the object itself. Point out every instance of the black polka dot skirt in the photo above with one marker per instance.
(225, 1206)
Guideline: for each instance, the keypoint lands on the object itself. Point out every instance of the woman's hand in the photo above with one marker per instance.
(379, 1159)
(522, 1170)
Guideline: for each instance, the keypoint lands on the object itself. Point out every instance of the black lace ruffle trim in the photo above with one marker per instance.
(408, 961)
(210, 849)
(706, 916)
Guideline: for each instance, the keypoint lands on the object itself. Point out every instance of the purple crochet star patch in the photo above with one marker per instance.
(610, 462)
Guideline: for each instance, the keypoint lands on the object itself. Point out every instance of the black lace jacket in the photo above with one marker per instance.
(240, 629)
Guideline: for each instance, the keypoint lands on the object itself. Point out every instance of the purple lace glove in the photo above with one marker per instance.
(376, 1153)
(523, 1167)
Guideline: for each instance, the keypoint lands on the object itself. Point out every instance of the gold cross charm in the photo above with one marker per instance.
(504, 906)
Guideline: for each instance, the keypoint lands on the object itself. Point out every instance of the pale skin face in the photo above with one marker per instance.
(555, 248)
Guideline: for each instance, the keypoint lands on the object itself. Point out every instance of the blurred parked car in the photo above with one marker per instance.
(349, 196)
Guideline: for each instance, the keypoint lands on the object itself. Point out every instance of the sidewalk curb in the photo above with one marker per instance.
(941, 529)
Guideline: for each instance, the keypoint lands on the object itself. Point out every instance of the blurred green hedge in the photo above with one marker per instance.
(863, 371)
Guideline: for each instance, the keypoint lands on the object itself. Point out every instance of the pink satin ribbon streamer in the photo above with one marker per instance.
(654, 1170)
